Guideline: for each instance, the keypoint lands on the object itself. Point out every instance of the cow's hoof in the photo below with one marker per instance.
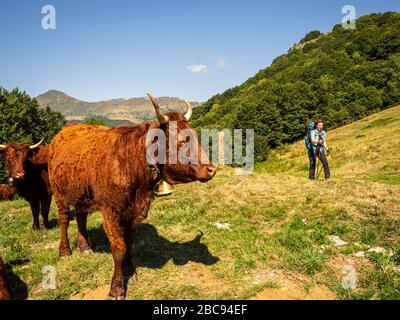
(133, 279)
(65, 253)
(35, 227)
(117, 292)
(84, 247)
(116, 298)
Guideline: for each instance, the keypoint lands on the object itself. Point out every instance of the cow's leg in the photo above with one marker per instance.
(128, 266)
(44, 211)
(115, 234)
(83, 240)
(35, 207)
(63, 222)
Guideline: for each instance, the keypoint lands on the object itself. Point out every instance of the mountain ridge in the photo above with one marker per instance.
(134, 110)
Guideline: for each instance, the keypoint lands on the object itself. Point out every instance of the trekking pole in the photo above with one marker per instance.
(317, 165)
(320, 170)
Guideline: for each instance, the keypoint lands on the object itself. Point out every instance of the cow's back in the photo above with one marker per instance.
(76, 143)
(74, 157)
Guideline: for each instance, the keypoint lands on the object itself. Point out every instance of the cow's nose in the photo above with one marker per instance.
(212, 170)
(19, 175)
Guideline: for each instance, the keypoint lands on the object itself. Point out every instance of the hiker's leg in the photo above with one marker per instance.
(312, 159)
(324, 161)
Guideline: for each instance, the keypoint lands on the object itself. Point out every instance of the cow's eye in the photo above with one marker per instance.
(181, 143)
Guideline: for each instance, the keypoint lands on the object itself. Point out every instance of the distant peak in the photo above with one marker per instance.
(54, 93)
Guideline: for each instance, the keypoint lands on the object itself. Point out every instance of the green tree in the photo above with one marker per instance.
(311, 36)
(23, 121)
(94, 121)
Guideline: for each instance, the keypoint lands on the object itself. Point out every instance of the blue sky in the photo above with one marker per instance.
(191, 49)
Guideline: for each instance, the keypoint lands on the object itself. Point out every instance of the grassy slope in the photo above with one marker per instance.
(277, 243)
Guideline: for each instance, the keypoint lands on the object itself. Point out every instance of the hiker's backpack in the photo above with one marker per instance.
(307, 138)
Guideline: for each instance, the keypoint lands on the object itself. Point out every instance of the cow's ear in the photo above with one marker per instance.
(32, 152)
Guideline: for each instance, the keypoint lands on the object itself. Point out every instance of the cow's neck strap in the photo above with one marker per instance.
(152, 166)
(154, 170)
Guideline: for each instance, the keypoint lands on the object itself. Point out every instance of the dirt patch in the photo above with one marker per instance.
(40, 246)
(315, 293)
(100, 293)
(339, 262)
(202, 277)
(289, 286)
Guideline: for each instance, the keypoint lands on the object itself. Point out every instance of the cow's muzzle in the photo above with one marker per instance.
(208, 173)
(18, 176)
(212, 170)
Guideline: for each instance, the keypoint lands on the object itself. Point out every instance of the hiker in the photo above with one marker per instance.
(317, 148)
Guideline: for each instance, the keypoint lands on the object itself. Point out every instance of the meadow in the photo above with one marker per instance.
(269, 235)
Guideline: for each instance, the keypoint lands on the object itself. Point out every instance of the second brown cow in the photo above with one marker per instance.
(27, 166)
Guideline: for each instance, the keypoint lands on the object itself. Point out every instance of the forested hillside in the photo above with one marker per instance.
(341, 76)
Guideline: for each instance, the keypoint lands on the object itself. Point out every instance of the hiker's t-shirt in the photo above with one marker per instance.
(316, 136)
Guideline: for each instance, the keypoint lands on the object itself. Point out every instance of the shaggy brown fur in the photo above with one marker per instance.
(7, 192)
(28, 169)
(4, 288)
(91, 166)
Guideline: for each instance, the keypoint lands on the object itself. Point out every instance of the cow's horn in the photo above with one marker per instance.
(162, 118)
(188, 114)
(36, 145)
(3, 147)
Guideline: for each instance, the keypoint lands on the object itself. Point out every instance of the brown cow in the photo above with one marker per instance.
(107, 168)
(4, 288)
(7, 192)
(27, 166)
